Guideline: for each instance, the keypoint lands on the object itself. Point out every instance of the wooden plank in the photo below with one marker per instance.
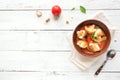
(27, 20)
(41, 40)
(21, 61)
(89, 4)
(55, 76)
(35, 61)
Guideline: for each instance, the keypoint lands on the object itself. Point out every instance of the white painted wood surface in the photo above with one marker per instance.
(27, 20)
(31, 49)
(45, 4)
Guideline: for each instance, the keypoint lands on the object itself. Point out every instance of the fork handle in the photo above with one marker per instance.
(100, 68)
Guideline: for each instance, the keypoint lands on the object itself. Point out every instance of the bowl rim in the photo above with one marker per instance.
(106, 45)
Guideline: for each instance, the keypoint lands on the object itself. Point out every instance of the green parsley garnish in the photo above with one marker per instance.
(82, 9)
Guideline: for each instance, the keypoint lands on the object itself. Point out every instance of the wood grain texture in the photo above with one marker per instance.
(22, 61)
(31, 49)
(41, 40)
(45, 4)
(55, 76)
(28, 20)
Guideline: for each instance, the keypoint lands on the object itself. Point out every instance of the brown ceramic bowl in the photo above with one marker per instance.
(103, 27)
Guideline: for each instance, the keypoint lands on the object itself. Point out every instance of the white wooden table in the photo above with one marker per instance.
(31, 49)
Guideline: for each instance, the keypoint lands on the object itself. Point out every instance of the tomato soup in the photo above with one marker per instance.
(91, 38)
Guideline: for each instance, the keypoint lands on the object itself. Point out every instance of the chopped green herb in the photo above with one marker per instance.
(93, 38)
(97, 27)
(82, 9)
(92, 35)
(72, 8)
(87, 47)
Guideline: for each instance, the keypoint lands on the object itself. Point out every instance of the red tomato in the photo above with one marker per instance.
(56, 10)
(89, 40)
(77, 39)
(101, 44)
(82, 28)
